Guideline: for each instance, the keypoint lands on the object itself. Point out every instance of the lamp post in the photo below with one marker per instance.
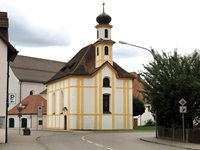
(65, 117)
(123, 42)
(20, 107)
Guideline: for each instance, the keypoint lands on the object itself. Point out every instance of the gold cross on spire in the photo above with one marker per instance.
(103, 5)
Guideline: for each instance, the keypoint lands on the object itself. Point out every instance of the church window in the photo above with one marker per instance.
(61, 102)
(106, 82)
(53, 104)
(106, 103)
(97, 51)
(106, 33)
(97, 34)
(106, 50)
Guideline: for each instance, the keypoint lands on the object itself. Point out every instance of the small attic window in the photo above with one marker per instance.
(32, 92)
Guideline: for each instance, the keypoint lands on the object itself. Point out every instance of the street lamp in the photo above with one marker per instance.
(123, 42)
(20, 107)
(65, 117)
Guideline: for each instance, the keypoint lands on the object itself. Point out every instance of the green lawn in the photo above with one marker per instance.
(145, 128)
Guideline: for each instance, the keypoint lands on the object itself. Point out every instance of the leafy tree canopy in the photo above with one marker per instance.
(138, 106)
(169, 78)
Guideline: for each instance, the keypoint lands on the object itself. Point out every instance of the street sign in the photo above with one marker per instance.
(12, 98)
(183, 109)
(182, 102)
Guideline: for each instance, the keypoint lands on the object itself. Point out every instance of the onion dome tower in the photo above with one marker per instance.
(104, 44)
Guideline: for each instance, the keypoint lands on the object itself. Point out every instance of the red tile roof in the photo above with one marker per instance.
(30, 104)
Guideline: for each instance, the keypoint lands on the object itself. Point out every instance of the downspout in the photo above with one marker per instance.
(7, 103)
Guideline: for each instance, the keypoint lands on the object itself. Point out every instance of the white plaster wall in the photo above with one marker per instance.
(107, 121)
(119, 123)
(73, 100)
(13, 88)
(73, 122)
(3, 87)
(89, 100)
(119, 108)
(28, 86)
(89, 122)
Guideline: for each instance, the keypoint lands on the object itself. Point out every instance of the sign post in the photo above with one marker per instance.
(183, 109)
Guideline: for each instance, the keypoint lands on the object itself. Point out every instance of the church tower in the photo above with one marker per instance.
(104, 44)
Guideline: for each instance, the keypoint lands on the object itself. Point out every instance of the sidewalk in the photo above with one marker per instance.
(21, 142)
(191, 146)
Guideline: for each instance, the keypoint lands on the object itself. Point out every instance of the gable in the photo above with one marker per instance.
(83, 64)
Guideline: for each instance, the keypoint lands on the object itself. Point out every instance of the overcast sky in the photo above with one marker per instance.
(58, 29)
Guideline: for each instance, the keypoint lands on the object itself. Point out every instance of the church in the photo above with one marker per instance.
(91, 92)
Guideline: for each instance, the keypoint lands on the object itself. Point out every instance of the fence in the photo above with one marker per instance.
(191, 135)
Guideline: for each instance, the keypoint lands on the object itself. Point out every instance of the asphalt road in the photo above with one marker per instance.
(100, 141)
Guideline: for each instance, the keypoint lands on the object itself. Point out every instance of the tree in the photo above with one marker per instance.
(169, 78)
(138, 106)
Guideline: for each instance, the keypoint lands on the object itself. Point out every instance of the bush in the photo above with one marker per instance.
(149, 122)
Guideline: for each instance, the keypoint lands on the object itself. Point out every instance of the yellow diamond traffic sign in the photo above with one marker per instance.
(182, 102)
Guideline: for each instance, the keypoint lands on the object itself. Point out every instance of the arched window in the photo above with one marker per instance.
(97, 51)
(106, 103)
(106, 50)
(53, 104)
(97, 34)
(61, 102)
(106, 82)
(106, 33)
(32, 92)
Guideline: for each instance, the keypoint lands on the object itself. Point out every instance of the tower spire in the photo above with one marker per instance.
(103, 6)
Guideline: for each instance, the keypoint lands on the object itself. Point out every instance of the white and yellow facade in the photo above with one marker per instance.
(86, 97)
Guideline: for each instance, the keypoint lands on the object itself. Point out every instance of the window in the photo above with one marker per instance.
(106, 82)
(32, 92)
(97, 34)
(106, 50)
(97, 51)
(106, 33)
(53, 104)
(106, 103)
(61, 102)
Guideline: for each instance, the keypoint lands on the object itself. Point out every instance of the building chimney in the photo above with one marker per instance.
(4, 24)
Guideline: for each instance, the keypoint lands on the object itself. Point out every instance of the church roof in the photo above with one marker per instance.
(30, 69)
(83, 64)
(30, 105)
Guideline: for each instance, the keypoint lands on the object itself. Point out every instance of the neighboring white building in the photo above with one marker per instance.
(91, 91)
(28, 75)
(7, 54)
(33, 113)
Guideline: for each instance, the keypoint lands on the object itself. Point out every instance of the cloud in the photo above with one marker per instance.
(25, 31)
(126, 52)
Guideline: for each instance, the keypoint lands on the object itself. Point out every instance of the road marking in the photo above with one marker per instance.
(83, 138)
(98, 145)
(109, 148)
(89, 141)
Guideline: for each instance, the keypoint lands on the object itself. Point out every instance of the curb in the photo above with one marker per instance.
(167, 144)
